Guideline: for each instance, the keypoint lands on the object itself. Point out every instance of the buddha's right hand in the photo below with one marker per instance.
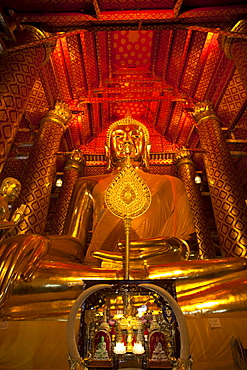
(142, 250)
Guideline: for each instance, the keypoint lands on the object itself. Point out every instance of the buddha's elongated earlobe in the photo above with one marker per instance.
(146, 156)
(108, 157)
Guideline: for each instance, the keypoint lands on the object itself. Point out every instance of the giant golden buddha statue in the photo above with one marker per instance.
(166, 228)
(42, 275)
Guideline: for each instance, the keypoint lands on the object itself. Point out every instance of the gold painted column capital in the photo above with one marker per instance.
(60, 115)
(183, 156)
(204, 110)
(76, 161)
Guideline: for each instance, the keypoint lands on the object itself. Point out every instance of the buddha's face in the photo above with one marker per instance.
(127, 139)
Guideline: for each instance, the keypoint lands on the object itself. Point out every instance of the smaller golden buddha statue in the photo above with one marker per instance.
(9, 191)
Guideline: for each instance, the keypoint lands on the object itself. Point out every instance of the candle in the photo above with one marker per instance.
(119, 348)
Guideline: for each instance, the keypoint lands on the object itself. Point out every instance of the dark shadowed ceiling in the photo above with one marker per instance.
(151, 59)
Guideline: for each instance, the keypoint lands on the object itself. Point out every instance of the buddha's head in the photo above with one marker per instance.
(10, 188)
(127, 137)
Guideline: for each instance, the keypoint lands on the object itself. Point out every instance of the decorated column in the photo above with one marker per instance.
(227, 193)
(19, 71)
(40, 169)
(187, 173)
(72, 171)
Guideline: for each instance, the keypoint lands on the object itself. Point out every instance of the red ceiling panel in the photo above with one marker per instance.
(61, 72)
(232, 101)
(177, 57)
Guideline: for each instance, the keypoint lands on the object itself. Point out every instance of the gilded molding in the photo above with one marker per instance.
(204, 110)
(60, 114)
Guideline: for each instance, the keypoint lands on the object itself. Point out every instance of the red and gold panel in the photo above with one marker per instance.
(74, 130)
(193, 139)
(49, 83)
(105, 114)
(175, 121)
(96, 146)
(91, 58)
(124, 11)
(102, 54)
(132, 4)
(83, 126)
(208, 14)
(96, 119)
(163, 117)
(74, 66)
(52, 6)
(185, 130)
(223, 75)
(194, 60)
(232, 101)
(136, 109)
(67, 141)
(209, 60)
(205, 54)
(177, 57)
(131, 49)
(152, 113)
(163, 53)
(60, 71)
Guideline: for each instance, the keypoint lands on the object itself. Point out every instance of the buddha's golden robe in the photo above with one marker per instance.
(169, 214)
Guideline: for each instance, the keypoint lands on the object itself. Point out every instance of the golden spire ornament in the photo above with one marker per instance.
(127, 197)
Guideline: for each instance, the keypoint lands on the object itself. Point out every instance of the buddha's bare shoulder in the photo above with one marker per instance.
(90, 181)
(161, 179)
